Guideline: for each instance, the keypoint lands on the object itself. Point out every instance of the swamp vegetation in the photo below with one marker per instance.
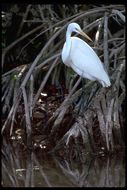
(47, 107)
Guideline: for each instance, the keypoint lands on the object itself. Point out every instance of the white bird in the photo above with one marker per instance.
(78, 55)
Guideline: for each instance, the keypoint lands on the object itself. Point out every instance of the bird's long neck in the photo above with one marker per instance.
(68, 35)
(68, 41)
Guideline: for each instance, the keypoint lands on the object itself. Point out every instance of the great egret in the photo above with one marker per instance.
(81, 57)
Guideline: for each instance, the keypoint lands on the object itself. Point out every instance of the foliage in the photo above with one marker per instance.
(32, 61)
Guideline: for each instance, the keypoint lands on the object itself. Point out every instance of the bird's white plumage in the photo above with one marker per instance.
(82, 58)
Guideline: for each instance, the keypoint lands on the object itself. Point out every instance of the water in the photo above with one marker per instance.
(37, 169)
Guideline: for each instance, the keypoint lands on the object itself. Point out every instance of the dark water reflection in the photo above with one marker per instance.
(38, 170)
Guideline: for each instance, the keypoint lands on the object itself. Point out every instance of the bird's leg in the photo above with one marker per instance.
(81, 106)
(88, 94)
(92, 94)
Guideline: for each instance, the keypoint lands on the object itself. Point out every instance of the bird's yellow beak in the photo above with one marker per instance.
(85, 35)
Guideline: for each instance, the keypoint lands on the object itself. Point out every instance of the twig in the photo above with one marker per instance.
(103, 106)
(44, 82)
(39, 56)
(41, 12)
(46, 61)
(100, 116)
(116, 51)
(58, 23)
(98, 32)
(24, 17)
(31, 94)
(17, 41)
(106, 58)
(78, 16)
(118, 33)
(13, 117)
(5, 92)
(119, 14)
(13, 70)
(109, 125)
(119, 73)
(12, 109)
(27, 115)
(111, 38)
(67, 98)
(63, 108)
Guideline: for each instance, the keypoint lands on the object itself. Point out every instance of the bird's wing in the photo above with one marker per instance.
(84, 60)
